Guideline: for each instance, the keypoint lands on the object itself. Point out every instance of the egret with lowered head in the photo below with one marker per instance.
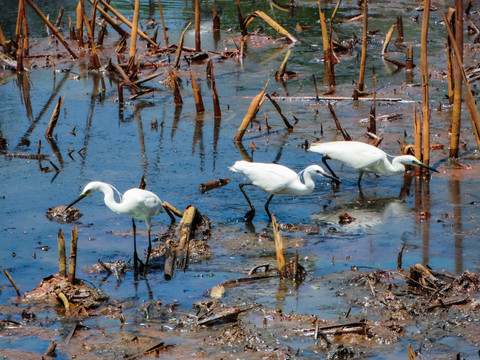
(276, 179)
(137, 203)
(364, 158)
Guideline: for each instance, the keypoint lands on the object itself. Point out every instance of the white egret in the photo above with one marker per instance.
(364, 158)
(276, 179)
(137, 203)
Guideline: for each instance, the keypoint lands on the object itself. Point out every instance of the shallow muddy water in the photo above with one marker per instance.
(95, 140)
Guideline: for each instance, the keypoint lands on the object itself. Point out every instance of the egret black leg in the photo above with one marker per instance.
(250, 214)
(148, 253)
(324, 160)
(360, 178)
(266, 207)
(136, 260)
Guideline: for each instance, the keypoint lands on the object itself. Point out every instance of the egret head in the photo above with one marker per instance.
(413, 161)
(319, 171)
(89, 189)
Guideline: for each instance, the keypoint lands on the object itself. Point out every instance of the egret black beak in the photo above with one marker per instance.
(76, 200)
(427, 167)
(334, 178)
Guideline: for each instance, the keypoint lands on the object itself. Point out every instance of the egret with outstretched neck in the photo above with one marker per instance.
(276, 179)
(364, 158)
(137, 203)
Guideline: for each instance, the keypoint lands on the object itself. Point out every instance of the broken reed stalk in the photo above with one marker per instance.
(450, 61)
(279, 248)
(25, 30)
(172, 209)
(418, 137)
(241, 21)
(198, 46)
(278, 28)
(169, 259)
(409, 58)
(326, 43)
(79, 23)
(179, 48)
(18, 27)
(52, 28)
(315, 85)
(73, 257)
(469, 99)
(345, 135)
(399, 29)
(59, 17)
(361, 77)
(424, 70)
(279, 110)
(125, 21)
(3, 41)
(251, 113)
(110, 20)
(216, 18)
(12, 282)
(53, 120)
(133, 38)
(217, 112)
(388, 37)
(186, 225)
(177, 96)
(197, 95)
(62, 257)
(65, 302)
(283, 67)
(91, 39)
(163, 23)
(457, 91)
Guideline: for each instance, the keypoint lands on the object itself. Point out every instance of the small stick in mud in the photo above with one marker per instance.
(282, 71)
(197, 95)
(73, 256)
(62, 258)
(399, 258)
(12, 282)
(279, 249)
(388, 37)
(65, 302)
(214, 184)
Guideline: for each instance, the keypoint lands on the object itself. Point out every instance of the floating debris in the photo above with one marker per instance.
(60, 214)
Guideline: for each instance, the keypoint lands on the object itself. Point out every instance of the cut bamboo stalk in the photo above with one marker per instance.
(179, 48)
(62, 257)
(176, 90)
(361, 77)
(186, 224)
(53, 120)
(251, 113)
(399, 29)
(469, 99)
(133, 38)
(457, 91)
(198, 46)
(12, 282)
(279, 248)
(216, 18)
(52, 28)
(73, 257)
(163, 23)
(388, 37)
(197, 95)
(278, 28)
(125, 21)
(425, 97)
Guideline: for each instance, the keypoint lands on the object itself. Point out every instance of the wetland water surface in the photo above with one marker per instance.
(436, 221)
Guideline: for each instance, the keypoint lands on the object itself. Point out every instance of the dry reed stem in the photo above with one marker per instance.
(217, 112)
(163, 23)
(72, 266)
(110, 20)
(172, 209)
(251, 113)
(133, 38)
(457, 86)
(241, 21)
(450, 61)
(345, 135)
(52, 28)
(79, 23)
(283, 67)
(361, 77)
(3, 41)
(59, 17)
(25, 40)
(411, 353)
(215, 18)
(424, 70)
(62, 257)
(179, 47)
(323, 26)
(279, 248)
(197, 95)
(469, 99)
(198, 46)
(417, 128)
(186, 225)
(409, 58)
(91, 39)
(399, 29)
(18, 27)
(176, 90)
(315, 85)
(388, 37)
(278, 28)
(65, 302)
(53, 120)
(7, 274)
(125, 21)
(275, 104)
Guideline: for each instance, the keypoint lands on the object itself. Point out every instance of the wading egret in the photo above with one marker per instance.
(364, 158)
(137, 203)
(276, 179)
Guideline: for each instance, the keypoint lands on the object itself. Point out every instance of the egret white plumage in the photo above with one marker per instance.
(276, 179)
(364, 158)
(137, 203)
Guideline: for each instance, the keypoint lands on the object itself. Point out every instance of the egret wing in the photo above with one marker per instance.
(271, 178)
